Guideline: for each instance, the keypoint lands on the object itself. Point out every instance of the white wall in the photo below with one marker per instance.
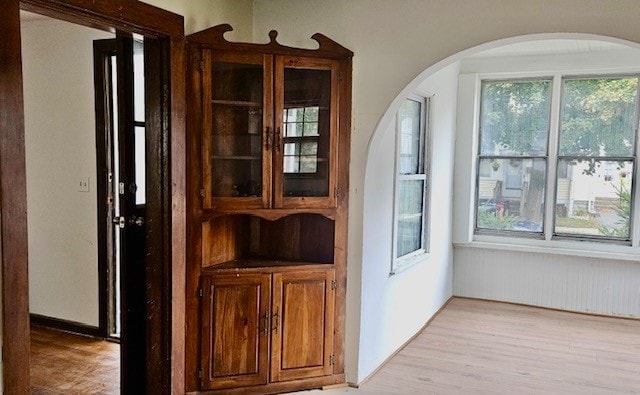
(394, 43)
(574, 283)
(395, 307)
(60, 149)
(201, 14)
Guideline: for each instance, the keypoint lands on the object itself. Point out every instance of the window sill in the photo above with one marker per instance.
(585, 249)
(405, 263)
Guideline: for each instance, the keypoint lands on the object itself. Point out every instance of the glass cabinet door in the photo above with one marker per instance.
(306, 124)
(237, 119)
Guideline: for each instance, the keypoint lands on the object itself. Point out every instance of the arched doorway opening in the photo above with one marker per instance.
(426, 285)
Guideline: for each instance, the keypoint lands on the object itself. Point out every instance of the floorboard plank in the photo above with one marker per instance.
(476, 346)
(64, 363)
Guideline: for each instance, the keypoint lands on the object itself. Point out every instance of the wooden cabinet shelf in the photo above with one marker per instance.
(237, 103)
(268, 214)
(239, 265)
(237, 157)
(268, 157)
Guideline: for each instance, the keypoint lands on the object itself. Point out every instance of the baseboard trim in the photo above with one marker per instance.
(77, 328)
(405, 344)
(549, 308)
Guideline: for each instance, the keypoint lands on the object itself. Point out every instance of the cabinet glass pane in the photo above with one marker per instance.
(306, 132)
(236, 145)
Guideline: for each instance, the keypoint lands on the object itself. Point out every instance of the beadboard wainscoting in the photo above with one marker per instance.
(581, 284)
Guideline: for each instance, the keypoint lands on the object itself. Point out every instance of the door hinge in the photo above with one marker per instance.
(334, 285)
(337, 192)
(200, 64)
(201, 193)
(332, 360)
(200, 292)
(200, 373)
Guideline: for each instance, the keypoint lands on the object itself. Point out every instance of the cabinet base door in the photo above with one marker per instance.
(302, 325)
(235, 341)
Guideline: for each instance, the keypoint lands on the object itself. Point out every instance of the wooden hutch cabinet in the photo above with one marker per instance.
(268, 133)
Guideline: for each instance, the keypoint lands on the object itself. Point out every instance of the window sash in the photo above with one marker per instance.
(408, 259)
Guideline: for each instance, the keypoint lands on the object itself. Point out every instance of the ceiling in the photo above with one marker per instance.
(550, 47)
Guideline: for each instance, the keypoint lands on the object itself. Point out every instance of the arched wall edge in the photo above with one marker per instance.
(384, 123)
(434, 68)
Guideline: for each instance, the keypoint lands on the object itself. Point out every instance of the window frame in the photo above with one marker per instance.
(400, 263)
(548, 235)
(546, 157)
(298, 141)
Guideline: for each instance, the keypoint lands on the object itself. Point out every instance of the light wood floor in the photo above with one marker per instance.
(62, 363)
(487, 347)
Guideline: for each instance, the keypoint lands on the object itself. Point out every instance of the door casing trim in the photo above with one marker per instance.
(124, 15)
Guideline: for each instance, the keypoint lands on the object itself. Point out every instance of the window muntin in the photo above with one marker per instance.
(597, 137)
(301, 140)
(411, 191)
(594, 124)
(512, 160)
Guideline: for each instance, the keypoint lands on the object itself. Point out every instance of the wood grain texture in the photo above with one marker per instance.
(342, 213)
(302, 325)
(213, 37)
(178, 212)
(127, 15)
(254, 235)
(122, 15)
(283, 387)
(66, 363)
(476, 346)
(13, 207)
(235, 346)
(194, 203)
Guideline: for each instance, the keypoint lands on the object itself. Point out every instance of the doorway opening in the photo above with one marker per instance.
(62, 201)
(85, 107)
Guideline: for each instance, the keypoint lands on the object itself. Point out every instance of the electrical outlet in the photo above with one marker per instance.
(83, 184)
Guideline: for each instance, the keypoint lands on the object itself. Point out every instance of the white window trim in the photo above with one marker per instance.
(401, 263)
(469, 114)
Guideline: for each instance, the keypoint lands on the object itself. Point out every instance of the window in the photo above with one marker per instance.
(589, 147)
(301, 140)
(514, 129)
(411, 184)
(598, 124)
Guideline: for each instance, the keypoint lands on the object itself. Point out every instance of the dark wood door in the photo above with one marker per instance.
(130, 228)
(302, 325)
(235, 330)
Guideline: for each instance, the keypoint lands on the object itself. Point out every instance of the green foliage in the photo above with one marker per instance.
(598, 117)
(515, 116)
(623, 209)
(490, 220)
